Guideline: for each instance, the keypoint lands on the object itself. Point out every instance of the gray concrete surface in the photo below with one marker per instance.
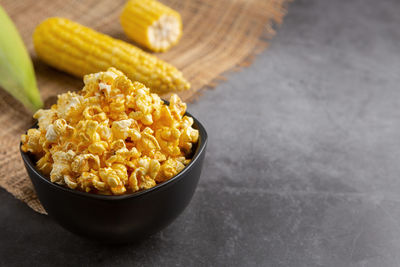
(302, 166)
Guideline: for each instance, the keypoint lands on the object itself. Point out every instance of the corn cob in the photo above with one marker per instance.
(151, 24)
(76, 49)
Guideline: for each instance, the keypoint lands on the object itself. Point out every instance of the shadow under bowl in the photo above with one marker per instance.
(120, 219)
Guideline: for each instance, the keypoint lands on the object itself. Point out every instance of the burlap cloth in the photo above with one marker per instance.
(219, 35)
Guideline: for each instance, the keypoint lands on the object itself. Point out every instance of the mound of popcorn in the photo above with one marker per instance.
(113, 137)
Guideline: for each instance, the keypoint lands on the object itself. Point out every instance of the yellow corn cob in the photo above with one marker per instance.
(151, 24)
(71, 47)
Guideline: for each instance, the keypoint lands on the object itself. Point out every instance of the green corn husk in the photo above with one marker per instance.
(16, 70)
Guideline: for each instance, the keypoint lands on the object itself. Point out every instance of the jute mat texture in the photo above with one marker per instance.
(218, 36)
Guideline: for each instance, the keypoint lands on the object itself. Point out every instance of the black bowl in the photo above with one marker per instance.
(120, 219)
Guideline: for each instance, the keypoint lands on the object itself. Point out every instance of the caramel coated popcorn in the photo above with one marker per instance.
(112, 137)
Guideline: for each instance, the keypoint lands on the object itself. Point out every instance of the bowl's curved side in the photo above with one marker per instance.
(120, 220)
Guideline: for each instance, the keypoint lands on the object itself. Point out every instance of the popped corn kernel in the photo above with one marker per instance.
(44, 164)
(98, 147)
(61, 166)
(45, 117)
(111, 138)
(169, 169)
(31, 141)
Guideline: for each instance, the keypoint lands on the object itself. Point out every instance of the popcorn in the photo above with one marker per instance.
(85, 162)
(178, 108)
(31, 141)
(94, 113)
(169, 169)
(98, 147)
(168, 138)
(45, 117)
(123, 129)
(111, 138)
(44, 164)
(69, 105)
(148, 144)
(61, 166)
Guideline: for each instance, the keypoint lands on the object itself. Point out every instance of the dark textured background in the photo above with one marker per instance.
(302, 166)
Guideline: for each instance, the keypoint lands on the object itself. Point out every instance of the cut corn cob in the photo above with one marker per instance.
(76, 49)
(151, 24)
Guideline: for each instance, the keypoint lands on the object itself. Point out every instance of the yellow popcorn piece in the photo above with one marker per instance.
(111, 138)
(70, 182)
(125, 128)
(85, 162)
(178, 108)
(169, 169)
(141, 180)
(94, 113)
(31, 141)
(148, 144)
(168, 138)
(61, 166)
(98, 147)
(45, 117)
(44, 164)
